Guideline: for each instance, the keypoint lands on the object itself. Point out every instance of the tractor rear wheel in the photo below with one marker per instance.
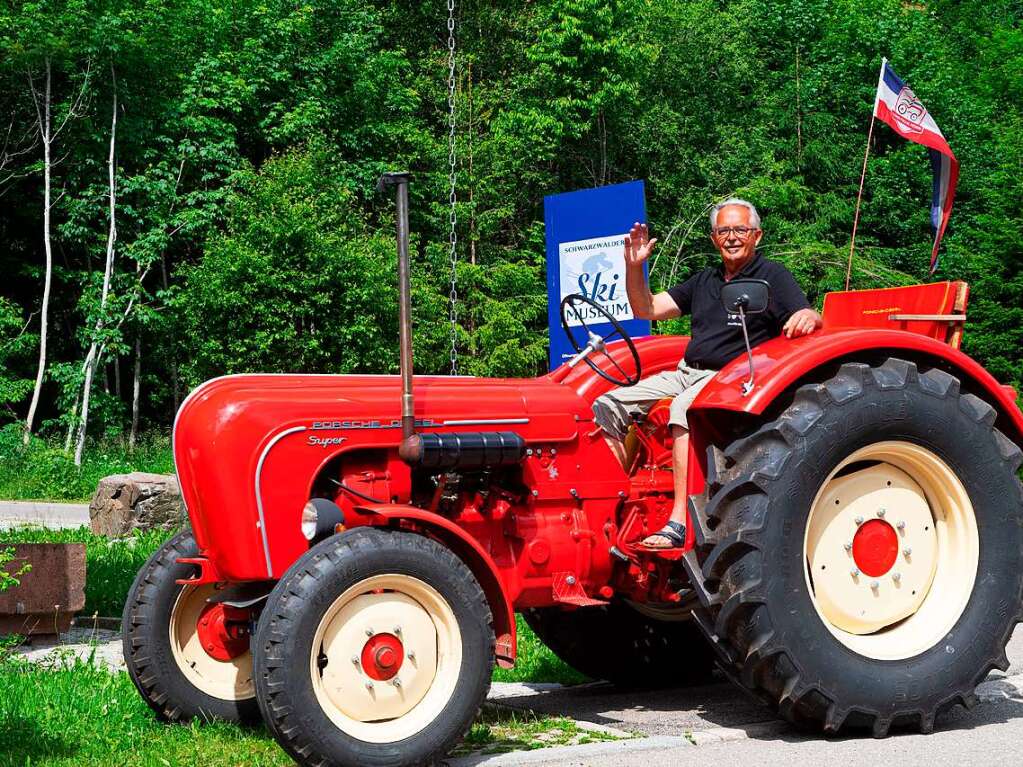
(375, 648)
(177, 647)
(861, 556)
(630, 645)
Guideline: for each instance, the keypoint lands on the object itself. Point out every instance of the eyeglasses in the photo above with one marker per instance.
(742, 232)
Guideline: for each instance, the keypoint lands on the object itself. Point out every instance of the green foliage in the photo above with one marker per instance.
(296, 282)
(250, 236)
(15, 350)
(42, 470)
(8, 579)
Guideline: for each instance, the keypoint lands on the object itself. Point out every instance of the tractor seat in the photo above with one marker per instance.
(936, 310)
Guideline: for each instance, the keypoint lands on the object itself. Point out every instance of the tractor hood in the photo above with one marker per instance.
(247, 448)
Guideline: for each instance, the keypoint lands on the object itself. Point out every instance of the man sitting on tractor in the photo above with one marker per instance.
(716, 336)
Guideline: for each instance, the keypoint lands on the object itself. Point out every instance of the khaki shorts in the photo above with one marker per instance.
(616, 410)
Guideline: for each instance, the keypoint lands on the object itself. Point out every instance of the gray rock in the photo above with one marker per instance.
(125, 503)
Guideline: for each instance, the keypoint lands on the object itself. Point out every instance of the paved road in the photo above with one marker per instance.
(54, 516)
(718, 724)
(992, 734)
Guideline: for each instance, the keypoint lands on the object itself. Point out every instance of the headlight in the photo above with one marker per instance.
(309, 519)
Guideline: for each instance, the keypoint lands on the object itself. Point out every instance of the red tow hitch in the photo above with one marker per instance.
(224, 631)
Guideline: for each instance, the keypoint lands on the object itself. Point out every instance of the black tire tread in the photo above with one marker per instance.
(137, 621)
(278, 712)
(748, 648)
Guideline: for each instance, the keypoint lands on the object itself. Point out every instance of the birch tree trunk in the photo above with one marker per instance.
(133, 435)
(96, 347)
(43, 111)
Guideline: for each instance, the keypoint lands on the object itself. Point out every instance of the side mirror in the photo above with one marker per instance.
(746, 297)
(749, 296)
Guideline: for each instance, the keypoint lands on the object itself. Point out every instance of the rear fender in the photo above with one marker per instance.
(475, 557)
(782, 364)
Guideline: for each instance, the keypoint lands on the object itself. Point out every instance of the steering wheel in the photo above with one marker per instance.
(597, 342)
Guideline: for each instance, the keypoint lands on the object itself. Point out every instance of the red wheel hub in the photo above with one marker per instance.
(382, 656)
(875, 547)
(224, 631)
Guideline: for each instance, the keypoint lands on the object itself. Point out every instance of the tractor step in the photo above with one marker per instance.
(568, 590)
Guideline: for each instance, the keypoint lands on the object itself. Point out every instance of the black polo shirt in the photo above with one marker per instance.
(717, 335)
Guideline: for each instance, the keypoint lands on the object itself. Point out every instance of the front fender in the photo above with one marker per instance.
(781, 362)
(475, 557)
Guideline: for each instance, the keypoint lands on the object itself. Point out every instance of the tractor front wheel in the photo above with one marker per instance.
(861, 555)
(189, 658)
(375, 648)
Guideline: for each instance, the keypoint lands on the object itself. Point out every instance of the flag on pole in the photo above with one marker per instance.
(897, 105)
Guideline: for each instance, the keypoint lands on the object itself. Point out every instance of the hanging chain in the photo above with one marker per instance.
(452, 176)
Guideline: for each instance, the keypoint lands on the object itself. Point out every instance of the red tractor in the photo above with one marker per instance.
(360, 544)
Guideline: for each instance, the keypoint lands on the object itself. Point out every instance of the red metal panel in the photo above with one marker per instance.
(278, 430)
(871, 308)
(781, 362)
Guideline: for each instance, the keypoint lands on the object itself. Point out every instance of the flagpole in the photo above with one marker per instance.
(863, 175)
(859, 199)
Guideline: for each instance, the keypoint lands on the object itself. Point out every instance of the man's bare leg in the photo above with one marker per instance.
(679, 461)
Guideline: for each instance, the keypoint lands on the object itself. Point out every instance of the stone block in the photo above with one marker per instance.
(49, 594)
(126, 503)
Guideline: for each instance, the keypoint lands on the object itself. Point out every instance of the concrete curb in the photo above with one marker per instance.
(577, 753)
(53, 516)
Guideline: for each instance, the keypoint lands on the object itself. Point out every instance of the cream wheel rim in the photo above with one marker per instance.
(891, 550)
(224, 680)
(407, 615)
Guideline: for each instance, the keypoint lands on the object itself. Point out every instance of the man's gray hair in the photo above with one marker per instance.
(754, 217)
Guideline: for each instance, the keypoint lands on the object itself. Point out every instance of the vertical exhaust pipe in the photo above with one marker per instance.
(410, 444)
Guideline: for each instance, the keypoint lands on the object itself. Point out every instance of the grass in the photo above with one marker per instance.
(499, 729)
(536, 663)
(72, 712)
(42, 471)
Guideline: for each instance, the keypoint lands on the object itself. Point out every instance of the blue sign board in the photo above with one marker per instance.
(586, 254)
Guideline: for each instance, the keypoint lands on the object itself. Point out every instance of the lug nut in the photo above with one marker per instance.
(369, 685)
(901, 525)
(397, 630)
(855, 572)
(355, 659)
(858, 521)
(412, 655)
(396, 682)
(847, 546)
(875, 585)
(896, 577)
(907, 551)
(880, 512)
(369, 632)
